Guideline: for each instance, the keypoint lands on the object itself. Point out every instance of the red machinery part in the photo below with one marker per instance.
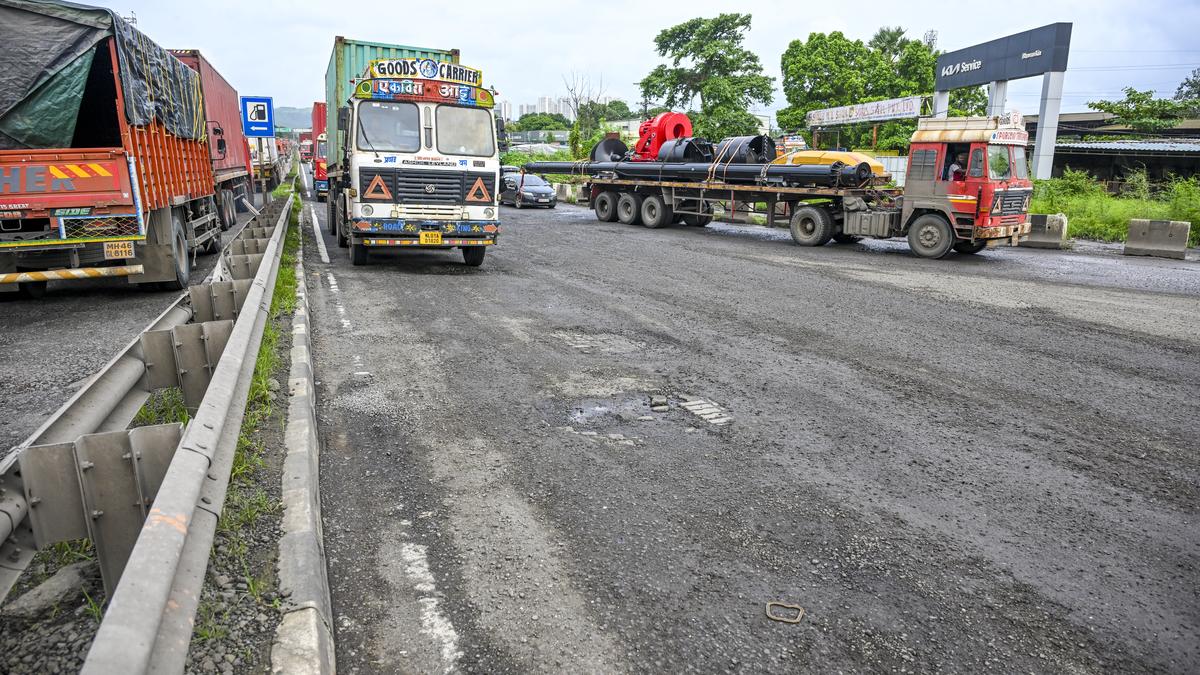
(653, 133)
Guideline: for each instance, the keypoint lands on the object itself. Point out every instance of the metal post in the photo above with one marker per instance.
(262, 173)
(1047, 125)
(997, 97)
(941, 104)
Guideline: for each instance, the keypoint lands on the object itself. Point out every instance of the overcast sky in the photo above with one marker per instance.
(280, 49)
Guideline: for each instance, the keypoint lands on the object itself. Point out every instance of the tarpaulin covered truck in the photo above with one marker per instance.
(105, 167)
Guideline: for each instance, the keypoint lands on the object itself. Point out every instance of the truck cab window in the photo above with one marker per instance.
(976, 170)
(388, 127)
(999, 166)
(465, 131)
(1020, 168)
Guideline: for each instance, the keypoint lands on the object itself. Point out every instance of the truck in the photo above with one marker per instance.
(227, 146)
(106, 164)
(823, 196)
(321, 142)
(306, 146)
(413, 156)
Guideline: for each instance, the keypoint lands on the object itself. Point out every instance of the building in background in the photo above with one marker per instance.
(525, 109)
(504, 110)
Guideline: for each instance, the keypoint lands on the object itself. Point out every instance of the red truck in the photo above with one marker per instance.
(320, 151)
(306, 146)
(109, 164)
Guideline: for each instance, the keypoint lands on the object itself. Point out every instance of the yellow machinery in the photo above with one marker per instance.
(828, 157)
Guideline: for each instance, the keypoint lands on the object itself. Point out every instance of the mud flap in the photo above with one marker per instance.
(156, 256)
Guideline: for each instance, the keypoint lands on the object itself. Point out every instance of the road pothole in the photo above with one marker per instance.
(598, 343)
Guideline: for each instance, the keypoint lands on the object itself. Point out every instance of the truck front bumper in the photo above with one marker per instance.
(1014, 232)
(425, 233)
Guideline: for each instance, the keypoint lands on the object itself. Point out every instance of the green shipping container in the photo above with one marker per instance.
(348, 61)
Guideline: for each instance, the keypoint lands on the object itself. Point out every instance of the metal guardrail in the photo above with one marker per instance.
(149, 498)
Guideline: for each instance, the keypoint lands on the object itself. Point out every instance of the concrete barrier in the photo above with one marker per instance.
(1047, 231)
(1162, 238)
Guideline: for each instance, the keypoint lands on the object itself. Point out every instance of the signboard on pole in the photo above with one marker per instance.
(875, 111)
(1037, 51)
(258, 117)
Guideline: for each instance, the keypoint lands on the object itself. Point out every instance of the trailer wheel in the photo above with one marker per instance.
(842, 238)
(331, 216)
(629, 208)
(656, 213)
(358, 254)
(970, 247)
(606, 206)
(179, 252)
(930, 236)
(473, 255)
(811, 226)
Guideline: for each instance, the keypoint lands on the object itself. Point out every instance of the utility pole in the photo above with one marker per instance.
(262, 173)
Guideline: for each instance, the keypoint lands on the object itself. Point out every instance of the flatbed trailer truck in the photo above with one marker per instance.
(105, 164)
(984, 205)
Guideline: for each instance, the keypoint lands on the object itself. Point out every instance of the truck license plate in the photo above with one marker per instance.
(118, 250)
(427, 238)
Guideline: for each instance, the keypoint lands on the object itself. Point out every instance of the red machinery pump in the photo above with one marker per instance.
(653, 133)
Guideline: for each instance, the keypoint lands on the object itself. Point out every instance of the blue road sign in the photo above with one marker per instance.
(258, 117)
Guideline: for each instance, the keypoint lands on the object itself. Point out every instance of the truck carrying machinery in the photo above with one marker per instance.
(320, 151)
(967, 186)
(413, 157)
(106, 165)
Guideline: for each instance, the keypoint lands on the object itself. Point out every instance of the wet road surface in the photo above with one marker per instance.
(982, 463)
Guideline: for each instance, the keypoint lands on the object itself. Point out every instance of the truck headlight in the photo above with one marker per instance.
(489, 212)
(368, 210)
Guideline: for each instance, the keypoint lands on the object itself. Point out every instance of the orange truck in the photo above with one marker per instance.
(106, 156)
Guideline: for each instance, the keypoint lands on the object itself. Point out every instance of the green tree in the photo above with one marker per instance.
(890, 42)
(1142, 112)
(1189, 89)
(617, 110)
(709, 63)
(540, 122)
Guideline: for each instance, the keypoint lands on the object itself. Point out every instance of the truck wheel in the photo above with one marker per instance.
(656, 213)
(342, 237)
(212, 245)
(31, 289)
(358, 254)
(179, 251)
(842, 238)
(969, 247)
(606, 207)
(930, 236)
(811, 226)
(629, 208)
(473, 255)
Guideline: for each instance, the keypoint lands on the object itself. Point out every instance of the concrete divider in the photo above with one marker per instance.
(1161, 238)
(1047, 231)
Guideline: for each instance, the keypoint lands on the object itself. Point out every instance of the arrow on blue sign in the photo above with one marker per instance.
(258, 117)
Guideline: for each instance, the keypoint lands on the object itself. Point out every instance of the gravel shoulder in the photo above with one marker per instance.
(981, 463)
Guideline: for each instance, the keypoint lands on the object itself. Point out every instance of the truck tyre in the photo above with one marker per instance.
(930, 236)
(358, 254)
(212, 245)
(343, 239)
(473, 255)
(842, 238)
(179, 252)
(970, 247)
(31, 289)
(656, 213)
(606, 207)
(330, 216)
(811, 226)
(629, 208)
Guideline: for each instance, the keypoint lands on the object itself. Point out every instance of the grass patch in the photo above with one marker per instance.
(163, 407)
(1093, 213)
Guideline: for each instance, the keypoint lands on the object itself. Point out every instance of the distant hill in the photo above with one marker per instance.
(295, 118)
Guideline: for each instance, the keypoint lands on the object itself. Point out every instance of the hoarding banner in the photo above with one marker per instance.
(424, 90)
(1033, 52)
(875, 111)
(426, 69)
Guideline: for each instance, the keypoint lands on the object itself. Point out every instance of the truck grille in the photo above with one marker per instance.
(1012, 202)
(414, 186)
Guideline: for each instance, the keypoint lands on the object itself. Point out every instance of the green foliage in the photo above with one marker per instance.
(163, 407)
(1140, 111)
(1093, 213)
(540, 122)
(708, 61)
(1189, 91)
(519, 159)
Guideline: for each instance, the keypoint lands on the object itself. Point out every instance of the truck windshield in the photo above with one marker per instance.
(321, 149)
(999, 166)
(465, 131)
(389, 127)
(1020, 170)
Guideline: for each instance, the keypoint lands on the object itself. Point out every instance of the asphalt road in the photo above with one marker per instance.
(50, 346)
(983, 463)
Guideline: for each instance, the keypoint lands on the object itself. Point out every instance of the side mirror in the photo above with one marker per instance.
(343, 120)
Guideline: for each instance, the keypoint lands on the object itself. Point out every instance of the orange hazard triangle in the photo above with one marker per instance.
(479, 192)
(378, 189)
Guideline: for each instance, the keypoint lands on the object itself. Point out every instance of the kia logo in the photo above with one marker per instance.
(430, 189)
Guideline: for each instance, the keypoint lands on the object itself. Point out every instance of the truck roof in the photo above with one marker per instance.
(1008, 130)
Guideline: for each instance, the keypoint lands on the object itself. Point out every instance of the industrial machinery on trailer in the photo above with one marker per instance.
(108, 167)
(967, 185)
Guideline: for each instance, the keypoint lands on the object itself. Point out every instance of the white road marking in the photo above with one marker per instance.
(708, 411)
(433, 622)
(337, 300)
(317, 233)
